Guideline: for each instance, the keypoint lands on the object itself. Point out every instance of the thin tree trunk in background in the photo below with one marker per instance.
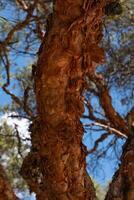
(6, 192)
(55, 169)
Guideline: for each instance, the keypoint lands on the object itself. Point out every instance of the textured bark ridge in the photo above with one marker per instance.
(122, 186)
(6, 193)
(55, 169)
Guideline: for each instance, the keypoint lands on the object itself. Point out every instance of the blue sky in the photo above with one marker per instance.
(4, 99)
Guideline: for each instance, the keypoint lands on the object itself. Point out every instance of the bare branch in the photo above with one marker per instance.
(19, 140)
(106, 102)
(20, 116)
(107, 127)
(27, 110)
(99, 140)
(3, 44)
(21, 24)
(26, 96)
(91, 115)
(22, 4)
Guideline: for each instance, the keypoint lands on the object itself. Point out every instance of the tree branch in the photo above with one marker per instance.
(114, 118)
(99, 140)
(107, 127)
(27, 110)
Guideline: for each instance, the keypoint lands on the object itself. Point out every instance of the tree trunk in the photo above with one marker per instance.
(122, 186)
(55, 169)
(6, 193)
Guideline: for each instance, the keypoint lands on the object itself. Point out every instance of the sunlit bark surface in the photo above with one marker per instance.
(6, 193)
(55, 169)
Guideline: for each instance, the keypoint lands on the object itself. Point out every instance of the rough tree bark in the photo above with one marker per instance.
(56, 166)
(6, 192)
(122, 186)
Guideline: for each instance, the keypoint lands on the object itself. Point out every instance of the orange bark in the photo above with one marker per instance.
(122, 186)
(56, 166)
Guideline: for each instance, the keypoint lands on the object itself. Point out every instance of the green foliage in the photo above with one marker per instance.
(100, 191)
(119, 47)
(9, 155)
